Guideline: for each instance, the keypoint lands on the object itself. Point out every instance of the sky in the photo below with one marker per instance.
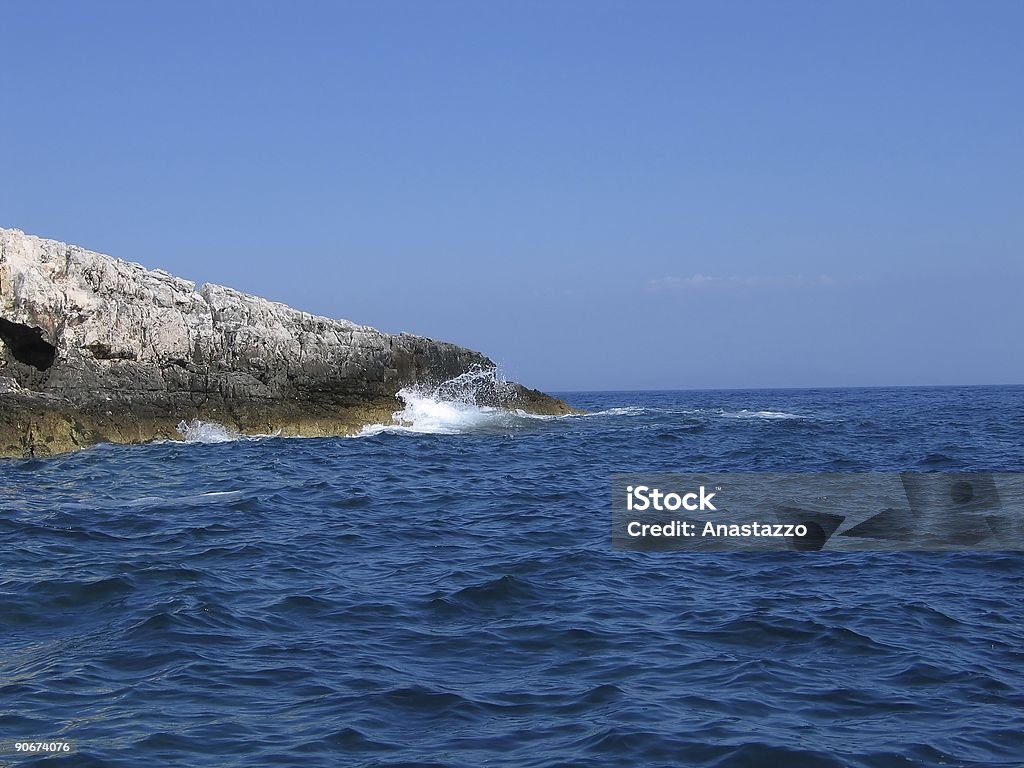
(597, 195)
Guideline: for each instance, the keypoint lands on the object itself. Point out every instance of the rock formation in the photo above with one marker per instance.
(96, 349)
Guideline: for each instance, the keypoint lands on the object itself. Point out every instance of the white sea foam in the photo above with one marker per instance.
(624, 410)
(456, 407)
(196, 431)
(424, 414)
(747, 414)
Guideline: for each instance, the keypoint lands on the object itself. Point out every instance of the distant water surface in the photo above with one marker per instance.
(445, 594)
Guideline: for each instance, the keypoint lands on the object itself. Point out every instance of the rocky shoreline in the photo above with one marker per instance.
(95, 349)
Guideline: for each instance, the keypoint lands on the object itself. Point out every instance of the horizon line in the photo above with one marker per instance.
(777, 389)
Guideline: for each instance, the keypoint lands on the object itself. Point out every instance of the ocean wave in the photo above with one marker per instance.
(703, 413)
(212, 432)
(336, 596)
(196, 431)
(455, 407)
(142, 503)
(624, 410)
(423, 414)
(748, 414)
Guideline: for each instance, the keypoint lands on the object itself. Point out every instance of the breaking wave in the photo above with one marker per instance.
(721, 413)
(210, 432)
(196, 431)
(457, 406)
(747, 414)
(464, 405)
(623, 410)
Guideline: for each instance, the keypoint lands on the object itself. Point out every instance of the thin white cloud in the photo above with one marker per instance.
(700, 280)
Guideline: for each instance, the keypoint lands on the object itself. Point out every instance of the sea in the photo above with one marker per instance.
(445, 592)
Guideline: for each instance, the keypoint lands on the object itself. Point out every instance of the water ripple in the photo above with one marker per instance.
(408, 598)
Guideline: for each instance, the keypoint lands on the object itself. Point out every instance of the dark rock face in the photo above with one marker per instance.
(97, 349)
(26, 344)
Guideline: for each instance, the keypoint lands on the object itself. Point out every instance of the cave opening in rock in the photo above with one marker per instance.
(27, 345)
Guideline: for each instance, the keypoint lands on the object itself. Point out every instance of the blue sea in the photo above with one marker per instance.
(445, 593)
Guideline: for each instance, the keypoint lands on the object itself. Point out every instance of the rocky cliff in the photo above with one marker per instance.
(96, 349)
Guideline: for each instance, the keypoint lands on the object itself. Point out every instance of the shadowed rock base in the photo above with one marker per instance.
(33, 425)
(31, 428)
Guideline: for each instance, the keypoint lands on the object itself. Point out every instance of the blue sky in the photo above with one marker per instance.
(598, 195)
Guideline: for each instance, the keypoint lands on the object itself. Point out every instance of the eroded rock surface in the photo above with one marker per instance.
(95, 349)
